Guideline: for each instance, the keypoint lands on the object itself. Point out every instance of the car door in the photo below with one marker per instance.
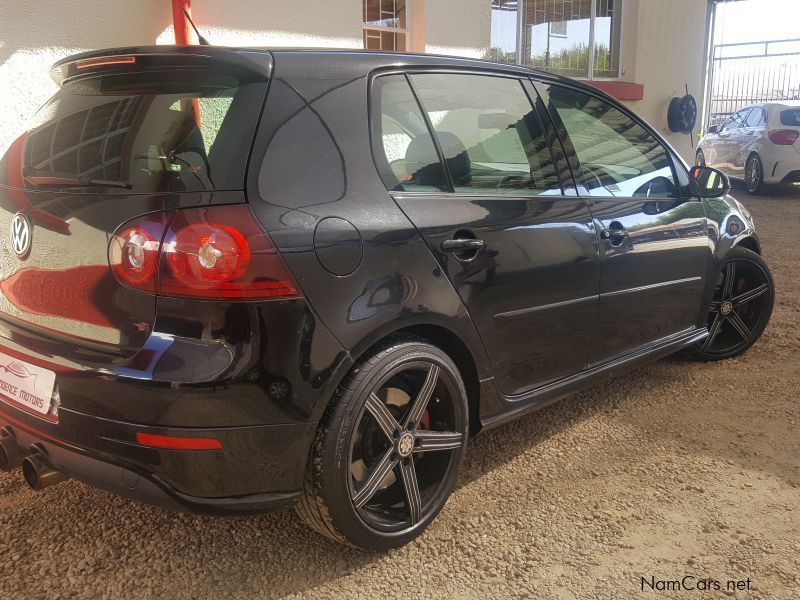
(521, 253)
(653, 242)
(750, 134)
(741, 138)
(728, 144)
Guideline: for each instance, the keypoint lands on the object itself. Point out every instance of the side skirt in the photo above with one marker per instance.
(498, 409)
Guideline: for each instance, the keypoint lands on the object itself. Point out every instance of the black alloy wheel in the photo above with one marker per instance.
(387, 455)
(754, 175)
(740, 309)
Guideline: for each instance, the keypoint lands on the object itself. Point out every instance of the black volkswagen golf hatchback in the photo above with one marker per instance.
(237, 279)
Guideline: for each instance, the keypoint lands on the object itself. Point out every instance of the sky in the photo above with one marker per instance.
(757, 20)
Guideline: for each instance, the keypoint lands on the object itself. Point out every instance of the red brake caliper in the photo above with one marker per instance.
(424, 424)
(740, 285)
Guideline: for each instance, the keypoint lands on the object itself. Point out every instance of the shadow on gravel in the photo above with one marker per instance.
(775, 192)
(272, 555)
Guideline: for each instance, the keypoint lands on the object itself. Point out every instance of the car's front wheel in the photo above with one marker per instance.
(388, 450)
(754, 175)
(740, 309)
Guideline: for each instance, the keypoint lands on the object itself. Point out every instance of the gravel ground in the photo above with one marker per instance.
(676, 469)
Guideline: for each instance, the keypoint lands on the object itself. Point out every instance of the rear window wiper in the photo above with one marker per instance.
(60, 181)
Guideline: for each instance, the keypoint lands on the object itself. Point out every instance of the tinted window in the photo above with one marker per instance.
(791, 118)
(406, 156)
(90, 137)
(736, 121)
(618, 156)
(489, 134)
(756, 118)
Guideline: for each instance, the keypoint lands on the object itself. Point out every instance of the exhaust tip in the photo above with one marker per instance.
(39, 473)
(11, 455)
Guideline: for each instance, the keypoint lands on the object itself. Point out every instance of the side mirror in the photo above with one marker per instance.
(713, 129)
(705, 182)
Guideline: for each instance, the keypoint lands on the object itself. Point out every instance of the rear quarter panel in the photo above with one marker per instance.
(312, 162)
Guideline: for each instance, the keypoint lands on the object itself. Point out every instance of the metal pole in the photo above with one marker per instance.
(520, 29)
(184, 34)
(710, 68)
(591, 39)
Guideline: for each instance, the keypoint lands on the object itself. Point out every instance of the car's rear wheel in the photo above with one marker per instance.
(740, 309)
(700, 159)
(754, 175)
(388, 450)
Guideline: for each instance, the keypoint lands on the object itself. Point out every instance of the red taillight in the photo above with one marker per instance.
(207, 254)
(134, 251)
(215, 252)
(134, 255)
(171, 442)
(783, 137)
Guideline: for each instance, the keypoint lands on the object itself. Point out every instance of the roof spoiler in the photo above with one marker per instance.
(247, 65)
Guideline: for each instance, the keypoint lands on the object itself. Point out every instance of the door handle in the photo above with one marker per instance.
(615, 234)
(462, 244)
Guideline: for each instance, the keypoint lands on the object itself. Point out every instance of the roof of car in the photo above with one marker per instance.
(784, 103)
(774, 103)
(346, 61)
(332, 63)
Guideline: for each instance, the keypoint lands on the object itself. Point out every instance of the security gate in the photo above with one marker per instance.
(752, 72)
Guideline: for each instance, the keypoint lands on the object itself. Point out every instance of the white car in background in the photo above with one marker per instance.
(759, 144)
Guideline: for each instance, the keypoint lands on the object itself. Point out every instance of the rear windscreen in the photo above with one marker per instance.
(136, 139)
(791, 117)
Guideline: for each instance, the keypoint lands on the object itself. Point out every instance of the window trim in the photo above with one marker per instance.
(568, 187)
(679, 170)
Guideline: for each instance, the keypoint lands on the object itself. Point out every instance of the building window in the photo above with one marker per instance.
(385, 25)
(576, 38)
(505, 30)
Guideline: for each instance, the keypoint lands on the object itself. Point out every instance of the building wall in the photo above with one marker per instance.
(663, 42)
(35, 35)
(664, 47)
(458, 28)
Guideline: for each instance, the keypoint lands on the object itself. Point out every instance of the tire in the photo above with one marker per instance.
(754, 175)
(700, 159)
(406, 476)
(740, 309)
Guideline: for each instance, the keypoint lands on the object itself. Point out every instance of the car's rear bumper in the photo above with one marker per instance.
(255, 377)
(791, 177)
(258, 468)
(781, 166)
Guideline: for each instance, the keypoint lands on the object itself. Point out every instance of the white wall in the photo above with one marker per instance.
(33, 35)
(307, 24)
(664, 48)
(458, 28)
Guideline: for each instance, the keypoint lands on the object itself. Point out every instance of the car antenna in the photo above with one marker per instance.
(203, 41)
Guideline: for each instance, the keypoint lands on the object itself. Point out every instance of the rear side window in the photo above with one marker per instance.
(189, 138)
(757, 118)
(735, 121)
(791, 117)
(619, 157)
(490, 136)
(406, 155)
